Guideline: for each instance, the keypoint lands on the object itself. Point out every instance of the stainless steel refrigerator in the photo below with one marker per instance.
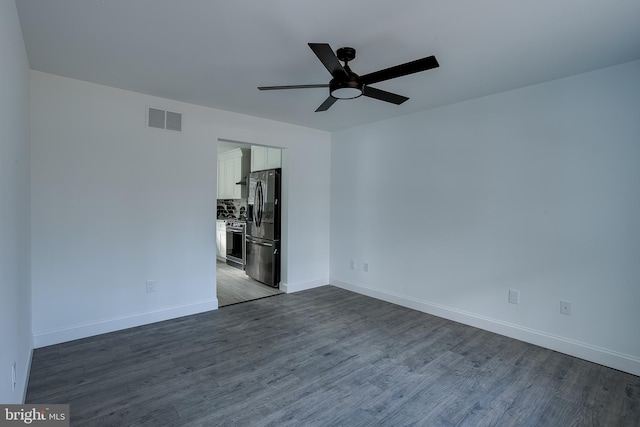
(263, 227)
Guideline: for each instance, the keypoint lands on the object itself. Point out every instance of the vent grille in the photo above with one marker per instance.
(163, 119)
(174, 121)
(156, 118)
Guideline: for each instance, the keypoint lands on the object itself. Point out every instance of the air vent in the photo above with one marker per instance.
(162, 119)
(174, 121)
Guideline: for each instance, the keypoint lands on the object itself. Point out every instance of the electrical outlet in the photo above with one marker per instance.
(365, 267)
(352, 264)
(514, 296)
(14, 377)
(565, 308)
(151, 286)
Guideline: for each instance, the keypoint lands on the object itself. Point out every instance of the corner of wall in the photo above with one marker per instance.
(289, 288)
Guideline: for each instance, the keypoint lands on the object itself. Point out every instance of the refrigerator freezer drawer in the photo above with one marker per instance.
(263, 261)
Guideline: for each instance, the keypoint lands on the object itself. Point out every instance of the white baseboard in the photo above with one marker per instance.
(56, 336)
(592, 353)
(27, 373)
(297, 287)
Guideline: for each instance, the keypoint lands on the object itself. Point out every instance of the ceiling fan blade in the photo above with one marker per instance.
(400, 70)
(326, 104)
(329, 59)
(292, 87)
(383, 95)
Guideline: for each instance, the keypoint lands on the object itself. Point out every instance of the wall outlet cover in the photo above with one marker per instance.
(14, 377)
(151, 286)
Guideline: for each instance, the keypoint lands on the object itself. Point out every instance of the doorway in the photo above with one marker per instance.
(233, 285)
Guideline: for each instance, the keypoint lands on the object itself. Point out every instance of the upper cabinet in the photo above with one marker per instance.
(265, 158)
(233, 168)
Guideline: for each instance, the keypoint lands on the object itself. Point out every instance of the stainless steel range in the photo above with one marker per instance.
(236, 245)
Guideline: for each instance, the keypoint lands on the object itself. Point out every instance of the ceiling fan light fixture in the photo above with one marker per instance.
(346, 89)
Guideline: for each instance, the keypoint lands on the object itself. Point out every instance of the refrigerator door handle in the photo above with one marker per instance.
(254, 211)
(256, 205)
(260, 203)
(255, 242)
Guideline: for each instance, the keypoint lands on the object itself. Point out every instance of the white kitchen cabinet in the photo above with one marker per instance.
(233, 167)
(221, 239)
(222, 181)
(265, 158)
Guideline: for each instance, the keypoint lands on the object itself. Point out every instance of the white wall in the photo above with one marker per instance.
(115, 204)
(536, 189)
(16, 341)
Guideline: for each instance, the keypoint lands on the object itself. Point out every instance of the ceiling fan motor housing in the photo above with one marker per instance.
(346, 54)
(349, 86)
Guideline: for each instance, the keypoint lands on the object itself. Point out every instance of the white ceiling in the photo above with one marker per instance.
(215, 53)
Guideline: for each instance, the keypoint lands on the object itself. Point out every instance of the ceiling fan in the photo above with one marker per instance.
(346, 84)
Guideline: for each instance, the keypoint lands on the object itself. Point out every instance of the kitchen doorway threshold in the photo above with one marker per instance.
(249, 300)
(234, 286)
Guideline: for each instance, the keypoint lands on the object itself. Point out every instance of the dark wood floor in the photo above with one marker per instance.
(325, 357)
(234, 286)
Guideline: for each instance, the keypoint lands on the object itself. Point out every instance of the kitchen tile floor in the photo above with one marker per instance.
(235, 286)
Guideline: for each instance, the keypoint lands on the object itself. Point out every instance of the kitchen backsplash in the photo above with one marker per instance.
(232, 208)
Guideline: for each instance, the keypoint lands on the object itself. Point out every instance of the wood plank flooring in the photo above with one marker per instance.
(325, 357)
(234, 286)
